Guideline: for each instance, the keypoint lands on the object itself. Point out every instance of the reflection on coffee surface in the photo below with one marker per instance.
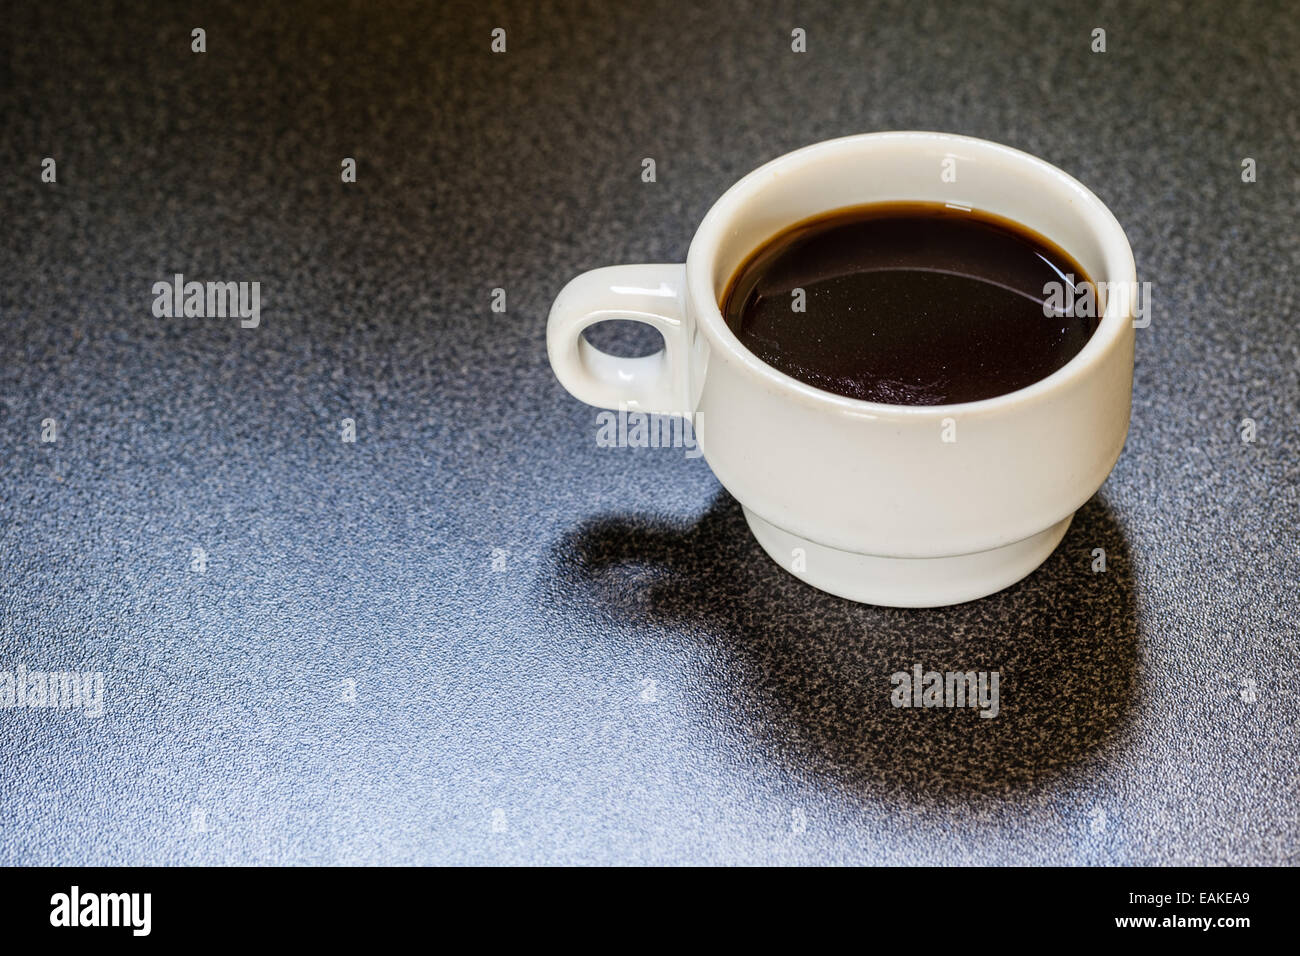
(911, 303)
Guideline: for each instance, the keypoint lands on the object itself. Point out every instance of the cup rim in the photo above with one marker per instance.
(1117, 256)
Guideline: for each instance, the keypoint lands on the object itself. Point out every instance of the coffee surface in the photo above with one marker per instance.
(911, 304)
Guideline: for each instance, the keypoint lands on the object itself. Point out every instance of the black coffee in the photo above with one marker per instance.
(910, 304)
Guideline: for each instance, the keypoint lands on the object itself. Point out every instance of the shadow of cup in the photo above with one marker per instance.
(810, 679)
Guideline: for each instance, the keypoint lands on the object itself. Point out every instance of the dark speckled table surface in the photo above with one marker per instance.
(473, 635)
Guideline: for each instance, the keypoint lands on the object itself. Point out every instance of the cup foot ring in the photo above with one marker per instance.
(906, 582)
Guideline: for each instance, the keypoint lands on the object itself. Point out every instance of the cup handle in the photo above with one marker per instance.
(654, 294)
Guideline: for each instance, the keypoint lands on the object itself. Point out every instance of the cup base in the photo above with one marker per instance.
(906, 582)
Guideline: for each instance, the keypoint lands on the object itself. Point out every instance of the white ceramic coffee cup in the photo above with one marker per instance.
(906, 506)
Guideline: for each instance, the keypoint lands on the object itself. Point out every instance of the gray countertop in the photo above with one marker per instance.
(474, 636)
